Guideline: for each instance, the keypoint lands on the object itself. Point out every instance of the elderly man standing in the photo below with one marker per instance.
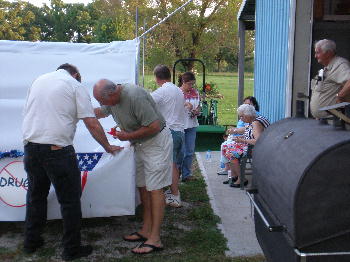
(144, 126)
(331, 85)
(55, 103)
(171, 102)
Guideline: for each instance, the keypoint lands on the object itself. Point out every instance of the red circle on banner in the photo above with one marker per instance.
(13, 181)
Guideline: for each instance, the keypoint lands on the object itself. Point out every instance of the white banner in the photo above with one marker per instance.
(110, 186)
(108, 190)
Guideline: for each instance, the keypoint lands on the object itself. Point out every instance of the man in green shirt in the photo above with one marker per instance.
(143, 125)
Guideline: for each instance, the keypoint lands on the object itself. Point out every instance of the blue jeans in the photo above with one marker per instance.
(178, 141)
(188, 151)
(59, 167)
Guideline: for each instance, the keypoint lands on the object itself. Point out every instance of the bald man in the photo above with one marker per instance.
(143, 125)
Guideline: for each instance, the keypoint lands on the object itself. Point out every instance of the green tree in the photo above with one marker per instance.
(113, 20)
(205, 29)
(66, 22)
(81, 25)
(187, 33)
(17, 21)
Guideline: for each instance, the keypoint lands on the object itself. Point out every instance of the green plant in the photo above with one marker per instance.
(211, 90)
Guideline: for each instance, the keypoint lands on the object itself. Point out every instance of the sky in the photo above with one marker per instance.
(41, 2)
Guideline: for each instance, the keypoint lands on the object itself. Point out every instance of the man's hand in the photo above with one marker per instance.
(344, 94)
(113, 149)
(122, 135)
(142, 132)
(96, 130)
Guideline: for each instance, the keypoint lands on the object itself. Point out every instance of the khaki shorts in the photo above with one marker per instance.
(154, 161)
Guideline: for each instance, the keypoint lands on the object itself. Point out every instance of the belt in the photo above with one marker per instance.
(38, 144)
(138, 143)
(52, 147)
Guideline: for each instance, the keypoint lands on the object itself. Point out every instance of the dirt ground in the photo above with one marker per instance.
(104, 234)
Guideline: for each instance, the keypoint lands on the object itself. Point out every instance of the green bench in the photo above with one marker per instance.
(209, 137)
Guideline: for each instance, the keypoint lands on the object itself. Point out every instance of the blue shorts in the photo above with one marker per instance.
(178, 140)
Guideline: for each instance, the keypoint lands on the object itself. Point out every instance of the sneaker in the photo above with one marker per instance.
(173, 201)
(83, 251)
(167, 192)
(222, 173)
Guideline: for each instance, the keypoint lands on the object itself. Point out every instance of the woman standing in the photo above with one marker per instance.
(186, 82)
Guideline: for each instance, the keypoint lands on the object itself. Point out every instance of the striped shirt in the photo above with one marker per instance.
(248, 134)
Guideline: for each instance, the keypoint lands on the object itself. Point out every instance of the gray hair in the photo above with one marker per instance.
(326, 45)
(247, 110)
(108, 88)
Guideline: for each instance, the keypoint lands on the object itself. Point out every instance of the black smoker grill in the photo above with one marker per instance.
(301, 192)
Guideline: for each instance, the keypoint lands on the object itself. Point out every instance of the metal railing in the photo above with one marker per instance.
(303, 256)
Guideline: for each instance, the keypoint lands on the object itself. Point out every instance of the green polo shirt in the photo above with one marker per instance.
(135, 109)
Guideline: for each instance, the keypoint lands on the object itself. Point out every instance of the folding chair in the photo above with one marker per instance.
(243, 164)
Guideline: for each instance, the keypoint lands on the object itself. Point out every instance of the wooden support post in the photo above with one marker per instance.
(241, 32)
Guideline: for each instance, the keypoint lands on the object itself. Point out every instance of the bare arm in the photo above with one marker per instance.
(142, 132)
(257, 130)
(96, 130)
(98, 113)
(344, 93)
(236, 130)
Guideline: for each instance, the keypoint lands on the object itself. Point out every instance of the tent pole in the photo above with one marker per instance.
(138, 54)
(166, 18)
(241, 32)
(143, 54)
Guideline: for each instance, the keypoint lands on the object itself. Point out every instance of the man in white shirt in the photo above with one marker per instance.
(56, 101)
(171, 103)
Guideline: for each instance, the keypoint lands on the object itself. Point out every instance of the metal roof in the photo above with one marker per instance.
(246, 13)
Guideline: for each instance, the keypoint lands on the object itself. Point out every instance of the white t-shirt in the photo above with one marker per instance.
(192, 97)
(171, 103)
(55, 103)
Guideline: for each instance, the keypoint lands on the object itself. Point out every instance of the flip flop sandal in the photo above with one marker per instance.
(140, 238)
(153, 249)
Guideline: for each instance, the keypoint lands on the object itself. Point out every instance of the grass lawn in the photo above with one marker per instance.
(227, 84)
(189, 234)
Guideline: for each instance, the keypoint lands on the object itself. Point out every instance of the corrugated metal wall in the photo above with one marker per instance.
(271, 56)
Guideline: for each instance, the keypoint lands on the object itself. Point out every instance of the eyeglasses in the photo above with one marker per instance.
(191, 82)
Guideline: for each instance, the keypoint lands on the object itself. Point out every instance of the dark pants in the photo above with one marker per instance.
(59, 167)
